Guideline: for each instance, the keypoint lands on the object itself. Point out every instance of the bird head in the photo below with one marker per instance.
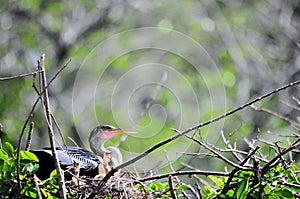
(99, 136)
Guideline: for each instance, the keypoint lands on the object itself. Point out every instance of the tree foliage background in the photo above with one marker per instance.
(253, 45)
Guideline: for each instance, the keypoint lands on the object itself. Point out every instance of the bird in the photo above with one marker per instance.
(97, 139)
(101, 160)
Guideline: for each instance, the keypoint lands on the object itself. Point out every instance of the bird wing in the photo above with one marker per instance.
(68, 155)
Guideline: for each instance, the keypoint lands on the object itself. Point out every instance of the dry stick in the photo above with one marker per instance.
(218, 155)
(46, 105)
(296, 100)
(158, 145)
(230, 147)
(21, 136)
(20, 142)
(18, 76)
(198, 188)
(30, 115)
(180, 173)
(35, 179)
(286, 119)
(173, 195)
(59, 130)
(225, 189)
(29, 138)
(272, 162)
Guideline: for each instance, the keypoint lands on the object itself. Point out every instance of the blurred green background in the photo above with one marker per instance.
(198, 59)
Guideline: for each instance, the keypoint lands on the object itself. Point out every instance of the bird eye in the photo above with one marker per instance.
(108, 127)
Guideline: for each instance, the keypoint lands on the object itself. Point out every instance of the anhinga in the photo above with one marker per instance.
(90, 164)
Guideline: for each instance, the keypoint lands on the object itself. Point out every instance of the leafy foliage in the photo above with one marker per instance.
(29, 183)
(161, 190)
(281, 181)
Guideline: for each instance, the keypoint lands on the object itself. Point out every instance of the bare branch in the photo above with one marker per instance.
(35, 179)
(18, 76)
(46, 105)
(227, 185)
(292, 123)
(180, 173)
(273, 162)
(30, 115)
(29, 138)
(173, 195)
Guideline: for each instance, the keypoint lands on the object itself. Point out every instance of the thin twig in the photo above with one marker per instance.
(230, 147)
(272, 162)
(59, 129)
(73, 141)
(215, 152)
(232, 173)
(18, 76)
(296, 100)
(291, 105)
(173, 195)
(46, 105)
(20, 143)
(37, 187)
(29, 138)
(29, 116)
(198, 188)
(292, 123)
(180, 173)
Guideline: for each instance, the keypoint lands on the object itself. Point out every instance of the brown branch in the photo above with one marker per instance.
(29, 138)
(46, 105)
(286, 119)
(30, 115)
(180, 173)
(217, 154)
(231, 149)
(232, 173)
(162, 143)
(274, 161)
(37, 187)
(18, 76)
(296, 100)
(59, 129)
(173, 195)
(198, 188)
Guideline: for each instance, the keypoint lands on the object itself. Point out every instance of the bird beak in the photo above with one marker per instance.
(119, 132)
(113, 133)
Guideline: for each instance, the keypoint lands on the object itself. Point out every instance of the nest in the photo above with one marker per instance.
(116, 187)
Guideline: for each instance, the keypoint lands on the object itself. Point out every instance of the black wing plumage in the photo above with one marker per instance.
(87, 160)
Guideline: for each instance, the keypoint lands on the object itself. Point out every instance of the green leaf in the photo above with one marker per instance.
(10, 149)
(284, 193)
(3, 155)
(217, 181)
(43, 192)
(183, 187)
(27, 155)
(30, 168)
(53, 174)
(108, 196)
(242, 189)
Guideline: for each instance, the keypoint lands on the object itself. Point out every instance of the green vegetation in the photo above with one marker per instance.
(281, 181)
(28, 166)
(156, 68)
